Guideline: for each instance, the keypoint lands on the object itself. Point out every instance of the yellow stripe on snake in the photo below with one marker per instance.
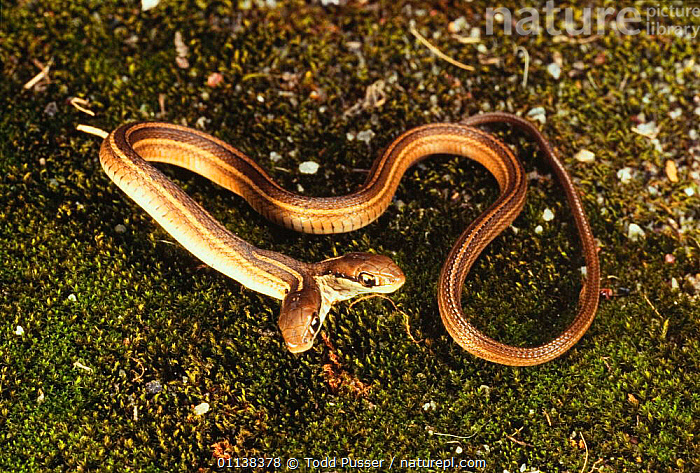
(308, 290)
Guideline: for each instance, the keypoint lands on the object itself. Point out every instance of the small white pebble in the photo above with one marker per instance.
(365, 136)
(349, 136)
(554, 70)
(201, 122)
(693, 134)
(547, 215)
(308, 167)
(261, 99)
(674, 114)
(648, 129)
(458, 450)
(697, 111)
(539, 229)
(201, 409)
(148, 4)
(584, 156)
(429, 406)
(625, 175)
(674, 283)
(634, 232)
(42, 161)
(19, 331)
(534, 176)
(72, 298)
(275, 156)
(457, 25)
(689, 191)
(538, 113)
(119, 228)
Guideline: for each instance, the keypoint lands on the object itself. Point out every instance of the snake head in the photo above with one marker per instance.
(301, 318)
(304, 311)
(362, 273)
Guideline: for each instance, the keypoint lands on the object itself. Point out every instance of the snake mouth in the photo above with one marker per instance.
(298, 340)
(299, 348)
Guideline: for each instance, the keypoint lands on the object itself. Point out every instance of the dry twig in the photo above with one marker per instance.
(43, 74)
(439, 53)
(92, 131)
(81, 105)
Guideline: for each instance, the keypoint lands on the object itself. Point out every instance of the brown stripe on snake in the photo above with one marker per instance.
(308, 290)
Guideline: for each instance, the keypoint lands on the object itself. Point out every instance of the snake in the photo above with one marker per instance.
(309, 290)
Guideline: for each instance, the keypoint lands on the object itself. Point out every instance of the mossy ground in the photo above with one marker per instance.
(105, 312)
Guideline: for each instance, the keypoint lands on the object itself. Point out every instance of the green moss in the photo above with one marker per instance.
(104, 313)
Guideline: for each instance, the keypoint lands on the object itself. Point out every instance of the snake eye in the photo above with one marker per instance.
(315, 323)
(367, 280)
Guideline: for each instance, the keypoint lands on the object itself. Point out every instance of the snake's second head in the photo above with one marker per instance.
(301, 318)
(359, 273)
(336, 279)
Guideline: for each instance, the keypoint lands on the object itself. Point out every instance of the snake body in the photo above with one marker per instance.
(309, 289)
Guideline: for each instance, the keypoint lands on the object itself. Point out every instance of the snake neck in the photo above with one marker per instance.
(332, 290)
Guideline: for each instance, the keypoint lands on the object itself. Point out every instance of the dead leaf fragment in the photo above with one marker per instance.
(671, 171)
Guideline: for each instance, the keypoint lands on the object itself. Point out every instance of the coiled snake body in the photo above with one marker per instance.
(309, 289)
